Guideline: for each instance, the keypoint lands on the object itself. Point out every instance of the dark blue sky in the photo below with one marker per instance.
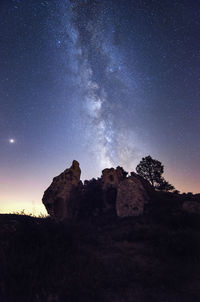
(104, 82)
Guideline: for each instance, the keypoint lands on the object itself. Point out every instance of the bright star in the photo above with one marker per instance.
(11, 141)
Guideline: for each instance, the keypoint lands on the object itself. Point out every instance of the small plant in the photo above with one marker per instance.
(23, 213)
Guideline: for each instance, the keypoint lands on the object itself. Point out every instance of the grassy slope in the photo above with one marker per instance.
(155, 257)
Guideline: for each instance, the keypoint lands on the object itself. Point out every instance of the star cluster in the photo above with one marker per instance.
(104, 82)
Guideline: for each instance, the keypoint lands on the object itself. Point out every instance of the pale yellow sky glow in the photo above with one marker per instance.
(17, 195)
(25, 193)
(10, 204)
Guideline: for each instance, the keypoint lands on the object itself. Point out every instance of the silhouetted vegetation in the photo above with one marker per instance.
(164, 185)
(92, 201)
(152, 170)
(154, 257)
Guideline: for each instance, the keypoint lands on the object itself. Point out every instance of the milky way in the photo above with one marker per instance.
(105, 88)
(104, 82)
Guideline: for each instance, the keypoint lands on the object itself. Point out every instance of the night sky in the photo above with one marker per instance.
(104, 82)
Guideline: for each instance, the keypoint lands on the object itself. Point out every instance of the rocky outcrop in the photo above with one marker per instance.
(67, 197)
(60, 197)
(126, 195)
(111, 177)
(131, 197)
(110, 182)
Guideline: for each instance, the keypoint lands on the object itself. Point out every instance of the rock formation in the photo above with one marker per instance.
(61, 194)
(126, 195)
(66, 197)
(131, 197)
(147, 186)
(110, 181)
(111, 177)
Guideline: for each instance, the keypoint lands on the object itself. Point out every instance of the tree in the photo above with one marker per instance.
(152, 170)
(163, 185)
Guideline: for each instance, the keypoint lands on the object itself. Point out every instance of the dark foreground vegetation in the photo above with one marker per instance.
(155, 257)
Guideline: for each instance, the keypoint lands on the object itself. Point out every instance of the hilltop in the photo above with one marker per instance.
(151, 257)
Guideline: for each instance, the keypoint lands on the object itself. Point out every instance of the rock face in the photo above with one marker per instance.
(116, 193)
(111, 177)
(131, 197)
(126, 195)
(60, 196)
(110, 181)
(147, 186)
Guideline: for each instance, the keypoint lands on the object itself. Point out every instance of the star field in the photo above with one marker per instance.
(104, 82)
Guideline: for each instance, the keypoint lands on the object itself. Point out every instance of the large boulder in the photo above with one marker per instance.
(110, 180)
(114, 193)
(146, 184)
(126, 196)
(131, 196)
(61, 196)
(111, 177)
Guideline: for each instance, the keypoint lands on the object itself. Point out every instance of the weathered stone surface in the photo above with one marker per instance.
(131, 197)
(140, 180)
(61, 194)
(192, 207)
(66, 197)
(126, 195)
(110, 181)
(111, 177)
